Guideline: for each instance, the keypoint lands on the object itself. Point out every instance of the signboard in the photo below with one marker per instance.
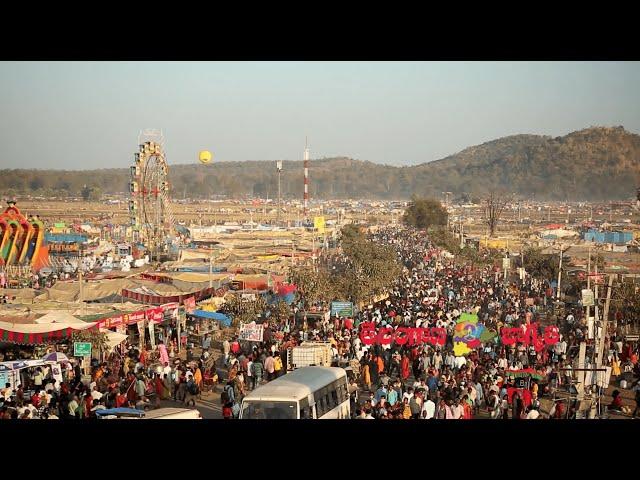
(530, 336)
(318, 224)
(152, 336)
(342, 309)
(64, 247)
(598, 279)
(251, 332)
(506, 262)
(402, 335)
(154, 314)
(588, 299)
(521, 382)
(81, 349)
(141, 332)
(249, 297)
(190, 304)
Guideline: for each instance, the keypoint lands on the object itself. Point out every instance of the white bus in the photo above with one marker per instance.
(308, 392)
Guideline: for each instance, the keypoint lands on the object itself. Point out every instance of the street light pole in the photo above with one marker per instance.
(279, 168)
(559, 274)
(210, 269)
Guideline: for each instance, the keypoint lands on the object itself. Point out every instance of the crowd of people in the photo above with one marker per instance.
(136, 380)
(387, 381)
(430, 381)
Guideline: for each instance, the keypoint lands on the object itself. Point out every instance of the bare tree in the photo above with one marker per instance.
(494, 206)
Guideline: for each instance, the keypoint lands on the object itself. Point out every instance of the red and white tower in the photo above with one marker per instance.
(306, 178)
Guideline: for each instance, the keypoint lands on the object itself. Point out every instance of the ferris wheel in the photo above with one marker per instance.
(149, 210)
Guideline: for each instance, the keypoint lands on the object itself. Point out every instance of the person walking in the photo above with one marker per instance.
(257, 371)
(269, 367)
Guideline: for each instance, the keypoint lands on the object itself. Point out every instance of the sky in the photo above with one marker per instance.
(82, 115)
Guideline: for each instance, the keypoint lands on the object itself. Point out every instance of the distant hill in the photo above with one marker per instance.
(592, 164)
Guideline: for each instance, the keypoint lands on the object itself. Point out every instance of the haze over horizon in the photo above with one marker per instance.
(85, 115)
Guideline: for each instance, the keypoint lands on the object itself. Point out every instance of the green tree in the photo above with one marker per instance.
(36, 183)
(85, 192)
(313, 285)
(280, 311)
(243, 311)
(372, 268)
(625, 298)
(425, 213)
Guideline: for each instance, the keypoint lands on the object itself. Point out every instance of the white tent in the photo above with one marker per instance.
(60, 316)
(113, 339)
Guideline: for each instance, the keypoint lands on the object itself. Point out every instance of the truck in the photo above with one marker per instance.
(309, 354)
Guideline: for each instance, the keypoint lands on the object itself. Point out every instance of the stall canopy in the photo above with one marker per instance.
(220, 317)
(114, 339)
(60, 317)
(42, 331)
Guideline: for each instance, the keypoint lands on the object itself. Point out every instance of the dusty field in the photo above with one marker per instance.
(205, 213)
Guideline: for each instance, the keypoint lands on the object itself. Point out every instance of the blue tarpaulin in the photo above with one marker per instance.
(220, 317)
(201, 269)
(126, 412)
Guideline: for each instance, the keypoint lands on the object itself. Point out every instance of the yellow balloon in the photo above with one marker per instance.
(205, 157)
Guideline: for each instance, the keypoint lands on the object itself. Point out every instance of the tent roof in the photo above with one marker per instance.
(59, 316)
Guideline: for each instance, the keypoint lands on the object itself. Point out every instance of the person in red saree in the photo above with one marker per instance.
(131, 391)
(88, 405)
(466, 408)
(158, 388)
(121, 400)
(143, 357)
(404, 367)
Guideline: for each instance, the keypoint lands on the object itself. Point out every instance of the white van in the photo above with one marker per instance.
(173, 413)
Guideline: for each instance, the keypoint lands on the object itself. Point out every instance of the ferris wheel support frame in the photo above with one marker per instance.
(150, 218)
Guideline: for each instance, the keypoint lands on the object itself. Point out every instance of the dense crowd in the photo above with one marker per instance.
(138, 379)
(419, 381)
(430, 381)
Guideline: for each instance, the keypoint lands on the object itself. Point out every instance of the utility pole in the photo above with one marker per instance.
(211, 269)
(588, 282)
(81, 290)
(605, 324)
(519, 217)
(559, 274)
(279, 168)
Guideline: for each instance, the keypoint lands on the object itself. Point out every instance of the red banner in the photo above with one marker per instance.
(152, 314)
(155, 315)
(190, 304)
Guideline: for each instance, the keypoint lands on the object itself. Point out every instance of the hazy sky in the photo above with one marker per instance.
(79, 115)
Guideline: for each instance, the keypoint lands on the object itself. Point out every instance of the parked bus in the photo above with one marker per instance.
(308, 392)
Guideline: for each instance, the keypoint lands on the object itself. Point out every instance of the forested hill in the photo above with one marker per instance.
(592, 164)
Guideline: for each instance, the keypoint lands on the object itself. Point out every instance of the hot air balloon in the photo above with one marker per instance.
(205, 157)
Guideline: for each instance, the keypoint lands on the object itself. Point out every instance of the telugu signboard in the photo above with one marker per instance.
(251, 332)
(342, 309)
(81, 349)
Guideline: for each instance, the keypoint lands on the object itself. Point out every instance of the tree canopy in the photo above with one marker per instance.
(425, 213)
